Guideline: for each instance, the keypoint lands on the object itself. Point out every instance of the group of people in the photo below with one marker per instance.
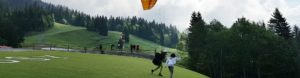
(170, 62)
(134, 47)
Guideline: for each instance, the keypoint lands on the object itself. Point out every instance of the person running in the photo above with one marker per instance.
(171, 61)
(159, 57)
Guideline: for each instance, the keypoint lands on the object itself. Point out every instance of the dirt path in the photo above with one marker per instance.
(14, 49)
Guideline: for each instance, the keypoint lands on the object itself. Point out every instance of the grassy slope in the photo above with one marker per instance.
(78, 37)
(79, 65)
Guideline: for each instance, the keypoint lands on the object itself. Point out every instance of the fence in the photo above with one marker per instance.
(122, 52)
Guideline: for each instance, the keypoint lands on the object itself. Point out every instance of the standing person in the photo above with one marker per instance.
(112, 47)
(101, 49)
(159, 57)
(171, 61)
(131, 48)
(85, 50)
(137, 48)
(121, 42)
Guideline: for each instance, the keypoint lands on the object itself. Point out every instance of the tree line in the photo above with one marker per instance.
(166, 35)
(157, 32)
(245, 50)
(160, 33)
(17, 24)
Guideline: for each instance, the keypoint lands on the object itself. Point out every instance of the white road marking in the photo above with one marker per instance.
(8, 61)
(33, 58)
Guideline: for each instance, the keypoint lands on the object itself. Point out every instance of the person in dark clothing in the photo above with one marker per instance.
(112, 47)
(101, 49)
(137, 48)
(85, 50)
(131, 48)
(121, 44)
(158, 59)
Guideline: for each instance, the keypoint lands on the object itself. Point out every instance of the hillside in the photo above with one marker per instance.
(78, 37)
(78, 65)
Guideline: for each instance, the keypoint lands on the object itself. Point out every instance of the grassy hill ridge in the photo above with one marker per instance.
(78, 37)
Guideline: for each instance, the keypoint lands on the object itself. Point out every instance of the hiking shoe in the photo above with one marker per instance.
(152, 71)
(160, 74)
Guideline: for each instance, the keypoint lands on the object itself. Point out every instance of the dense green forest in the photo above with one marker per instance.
(166, 35)
(16, 24)
(246, 50)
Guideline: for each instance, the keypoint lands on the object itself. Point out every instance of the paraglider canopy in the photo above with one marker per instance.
(148, 4)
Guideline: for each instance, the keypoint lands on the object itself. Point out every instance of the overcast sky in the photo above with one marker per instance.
(178, 12)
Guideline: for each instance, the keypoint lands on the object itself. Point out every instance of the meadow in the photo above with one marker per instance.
(82, 65)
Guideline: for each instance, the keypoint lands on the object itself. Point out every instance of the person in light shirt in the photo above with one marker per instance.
(171, 61)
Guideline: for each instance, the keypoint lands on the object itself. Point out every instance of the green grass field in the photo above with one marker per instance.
(78, 65)
(78, 37)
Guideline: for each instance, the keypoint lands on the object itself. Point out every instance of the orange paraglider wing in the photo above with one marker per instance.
(148, 4)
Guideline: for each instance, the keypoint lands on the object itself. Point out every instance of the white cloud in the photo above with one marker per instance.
(178, 12)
